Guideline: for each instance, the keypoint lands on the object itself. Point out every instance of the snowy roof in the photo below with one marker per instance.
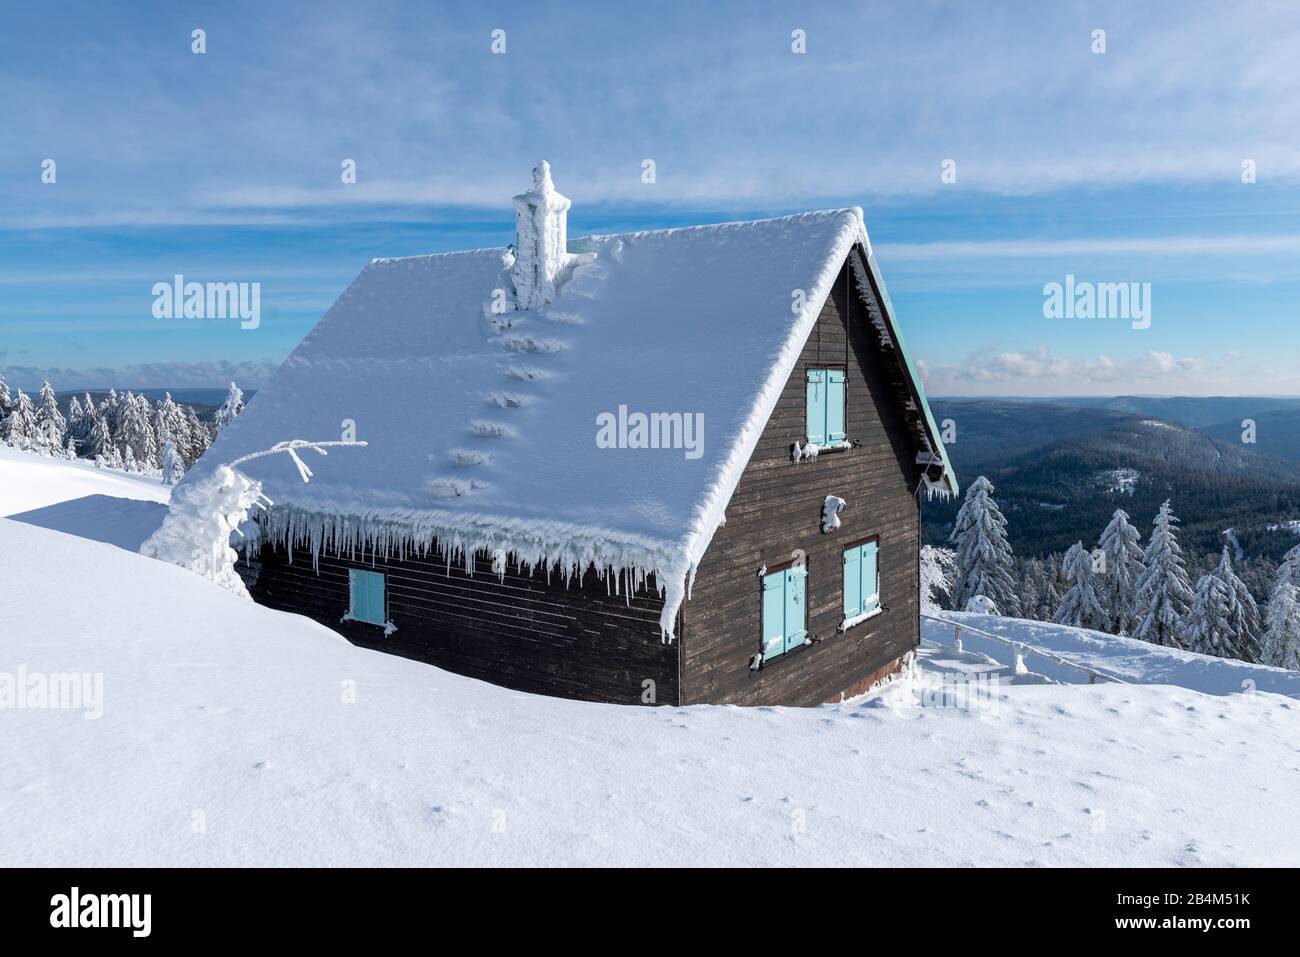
(481, 419)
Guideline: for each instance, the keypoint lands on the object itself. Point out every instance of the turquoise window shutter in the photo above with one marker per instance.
(853, 581)
(366, 596)
(795, 615)
(377, 599)
(870, 577)
(835, 405)
(357, 596)
(816, 406)
(773, 614)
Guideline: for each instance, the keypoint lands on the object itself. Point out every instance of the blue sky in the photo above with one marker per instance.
(1124, 166)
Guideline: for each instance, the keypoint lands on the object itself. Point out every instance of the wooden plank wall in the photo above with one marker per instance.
(777, 509)
(523, 632)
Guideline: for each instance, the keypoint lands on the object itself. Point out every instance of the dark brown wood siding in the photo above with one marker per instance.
(776, 510)
(574, 641)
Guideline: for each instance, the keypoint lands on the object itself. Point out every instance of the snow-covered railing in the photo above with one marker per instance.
(1020, 649)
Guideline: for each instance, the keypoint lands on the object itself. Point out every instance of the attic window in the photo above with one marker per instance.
(825, 408)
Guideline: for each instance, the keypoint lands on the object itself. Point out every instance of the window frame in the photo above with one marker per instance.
(827, 444)
(787, 649)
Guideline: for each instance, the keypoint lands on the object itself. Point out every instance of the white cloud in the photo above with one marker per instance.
(1040, 367)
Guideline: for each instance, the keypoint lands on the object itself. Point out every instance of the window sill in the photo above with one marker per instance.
(807, 451)
(388, 626)
(848, 623)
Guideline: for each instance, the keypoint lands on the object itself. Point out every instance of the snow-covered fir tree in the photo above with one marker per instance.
(1281, 644)
(6, 400)
(1031, 587)
(75, 415)
(1243, 612)
(1163, 593)
(231, 408)
(1208, 627)
(128, 459)
(51, 427)
(173, 468)
(70, 450)
(1123, 565)
(100, 440)
(136, 433)
(1080, 606)
(984, 560)
(1049, 597)
(197, 438)
(20, 423)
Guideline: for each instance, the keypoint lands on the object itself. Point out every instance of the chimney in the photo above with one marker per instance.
(541, 239)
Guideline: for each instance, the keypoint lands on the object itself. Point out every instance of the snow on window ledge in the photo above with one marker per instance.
(801, 451)
(388, 626)
(848, 623)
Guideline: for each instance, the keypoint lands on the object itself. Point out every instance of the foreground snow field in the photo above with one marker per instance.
(227, 737)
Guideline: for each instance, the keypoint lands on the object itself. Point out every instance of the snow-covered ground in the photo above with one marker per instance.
(1126, 659)
(228, 733)
(232, 734)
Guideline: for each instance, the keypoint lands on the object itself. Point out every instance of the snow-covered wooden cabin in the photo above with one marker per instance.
(609, 468)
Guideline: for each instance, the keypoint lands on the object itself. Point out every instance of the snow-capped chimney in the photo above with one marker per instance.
(541, 239)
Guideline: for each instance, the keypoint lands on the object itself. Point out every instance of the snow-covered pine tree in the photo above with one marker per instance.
(1080, 606)
(6, 401)
(1281, 645)
(51, 427)
(1209, 628)
(231, 408)
(128, 459)
(75, 414)
(173, 468)
(984, 560)
(100, 440)
(1118, 586)
(20, 424)
(169, 424)
(1031, 586)
(1243, 613)
(197, 437)
(70, 450)
(1049, 596)
(1163, 593)
(136, 434)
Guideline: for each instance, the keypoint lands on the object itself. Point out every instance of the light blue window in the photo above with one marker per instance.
(861, 579)
(825, 406)
(784, 614)
(367, 596)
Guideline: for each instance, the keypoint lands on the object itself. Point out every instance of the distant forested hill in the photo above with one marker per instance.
(1061, 471)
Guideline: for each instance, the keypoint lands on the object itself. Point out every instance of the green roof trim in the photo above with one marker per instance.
(878, 281)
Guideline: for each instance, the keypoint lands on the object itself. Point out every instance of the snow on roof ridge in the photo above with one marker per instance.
(854, 212)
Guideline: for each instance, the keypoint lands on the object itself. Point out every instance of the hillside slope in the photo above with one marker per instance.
(231, 734)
